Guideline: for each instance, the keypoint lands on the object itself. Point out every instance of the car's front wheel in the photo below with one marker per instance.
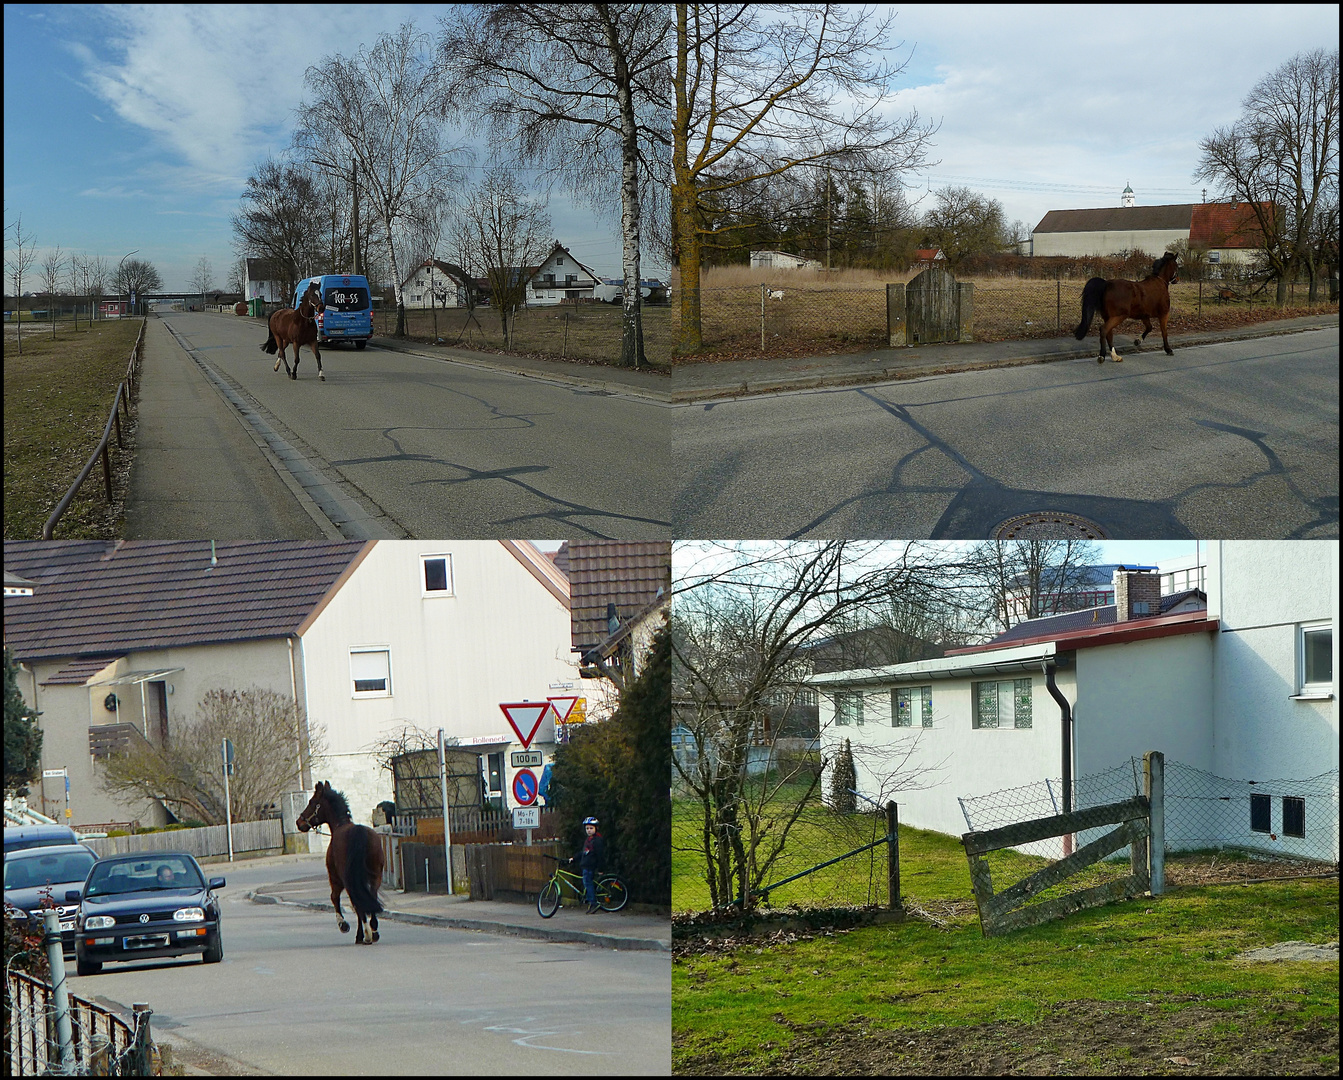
(87, 967)
(214, 947)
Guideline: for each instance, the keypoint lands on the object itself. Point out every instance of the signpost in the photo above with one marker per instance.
(228, 802)
(447, 811)
(53, 773)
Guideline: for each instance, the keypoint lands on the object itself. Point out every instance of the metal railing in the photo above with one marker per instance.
(104, 1044)
(125, 389)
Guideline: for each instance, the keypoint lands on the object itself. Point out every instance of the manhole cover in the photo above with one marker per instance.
(1049, 525)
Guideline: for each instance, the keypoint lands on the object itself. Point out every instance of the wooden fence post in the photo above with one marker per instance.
(893, 854)
(895, 314)
(1154, 780)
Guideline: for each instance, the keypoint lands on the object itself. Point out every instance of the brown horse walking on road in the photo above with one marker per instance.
(1119, 300)
(354, 860)
(297, 327)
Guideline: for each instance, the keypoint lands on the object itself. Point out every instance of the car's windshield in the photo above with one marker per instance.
(139, 875)
(38, 870)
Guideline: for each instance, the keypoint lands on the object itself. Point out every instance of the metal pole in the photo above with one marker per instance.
(228, 801)
(51, 921)
(763, 289)
(447, 812)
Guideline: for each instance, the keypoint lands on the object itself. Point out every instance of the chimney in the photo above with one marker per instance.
(1137, 594)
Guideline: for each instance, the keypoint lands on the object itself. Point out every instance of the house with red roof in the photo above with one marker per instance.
(117, 642)
(1239, 681)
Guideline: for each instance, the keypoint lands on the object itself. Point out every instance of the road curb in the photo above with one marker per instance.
(578, 937)
(888, 374)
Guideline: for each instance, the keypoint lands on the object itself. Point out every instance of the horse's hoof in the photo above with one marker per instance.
(1170, 352)
(321, 376)
(375, 935)
(294, 375)
(277, 366)
(344, 928)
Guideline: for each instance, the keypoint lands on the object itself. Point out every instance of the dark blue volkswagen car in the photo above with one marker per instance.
(143, 905)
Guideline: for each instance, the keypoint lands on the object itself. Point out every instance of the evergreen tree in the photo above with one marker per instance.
(843, 781)
(23, 738)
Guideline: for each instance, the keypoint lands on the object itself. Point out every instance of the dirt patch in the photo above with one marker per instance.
(1129, 1038)
(1232, 869)
(1295, 950)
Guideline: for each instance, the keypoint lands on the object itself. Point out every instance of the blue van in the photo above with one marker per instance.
(349, 308)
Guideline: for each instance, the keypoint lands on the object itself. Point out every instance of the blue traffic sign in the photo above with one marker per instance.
(524, 787)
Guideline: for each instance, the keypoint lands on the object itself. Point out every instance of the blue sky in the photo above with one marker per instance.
(136, 126)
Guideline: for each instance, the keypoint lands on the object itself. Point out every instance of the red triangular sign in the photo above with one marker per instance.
(564, 705)
(525, 717)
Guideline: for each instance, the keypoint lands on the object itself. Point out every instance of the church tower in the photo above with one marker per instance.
(1128, 197)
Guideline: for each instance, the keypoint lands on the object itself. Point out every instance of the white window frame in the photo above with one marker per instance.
(1314, 691)
(1004, 689)
(425, 591)
(385, 650)
(856, 716)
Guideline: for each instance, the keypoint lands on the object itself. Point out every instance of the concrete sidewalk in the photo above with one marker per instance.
(195, 471)
(738, 378)
(306, 886)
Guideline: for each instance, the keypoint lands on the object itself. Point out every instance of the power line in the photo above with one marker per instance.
(1042, 185)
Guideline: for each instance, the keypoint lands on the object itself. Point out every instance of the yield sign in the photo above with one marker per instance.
(564, 705)
(525, 718)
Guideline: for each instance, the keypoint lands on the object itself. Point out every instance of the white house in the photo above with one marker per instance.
(561, 277)
(434, 279)
(1245, 689)
(782, 260)
(263, 280)
(118, 642)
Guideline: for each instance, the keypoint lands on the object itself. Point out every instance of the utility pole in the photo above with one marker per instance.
(354, 210)
(827, 219)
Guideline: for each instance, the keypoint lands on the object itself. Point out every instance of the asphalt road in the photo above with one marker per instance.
(1232, 440)
(444, 449)
(295, 996)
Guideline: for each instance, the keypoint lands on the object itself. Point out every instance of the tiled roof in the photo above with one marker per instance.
(1071, 621)
(78, 672)
(97, 597)
(1226, 225)
(1117, 219)
(627, 574)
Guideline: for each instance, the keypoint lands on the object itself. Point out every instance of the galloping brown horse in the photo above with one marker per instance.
(1120, 300)
(353, 859)
(297, 327)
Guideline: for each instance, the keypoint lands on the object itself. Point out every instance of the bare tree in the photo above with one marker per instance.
(741, 628)
(963, 222)
(1029, 576)
(581, 91)
(138, 277)
(19, 260)
(100, 277)
(274, 746)
(237, 276)
(1281, 156)
(53, 267)
(504, 235)
(386, 106)
(762, 91)
(275, 222)
(202, 277)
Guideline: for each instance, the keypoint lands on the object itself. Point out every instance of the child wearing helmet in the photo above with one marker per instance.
(589, 859)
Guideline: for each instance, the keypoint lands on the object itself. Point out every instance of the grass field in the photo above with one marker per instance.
(1131, 988)
(584, 332)
(57, 397)
(845, 311)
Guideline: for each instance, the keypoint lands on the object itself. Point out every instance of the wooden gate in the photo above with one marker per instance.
(934, 306)
(1141, 829)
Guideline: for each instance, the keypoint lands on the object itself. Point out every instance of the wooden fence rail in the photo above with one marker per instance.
(1141, 829)
(104, 1044)
(207, 842)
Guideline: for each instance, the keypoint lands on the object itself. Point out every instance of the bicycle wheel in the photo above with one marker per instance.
(548, 901)
(612, 894)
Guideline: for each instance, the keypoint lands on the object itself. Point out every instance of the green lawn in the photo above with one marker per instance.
(743, 1010)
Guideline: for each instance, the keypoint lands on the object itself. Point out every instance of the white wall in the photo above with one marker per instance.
(500, 637)
(1143, 695)
(949, 760)
(1154, 242)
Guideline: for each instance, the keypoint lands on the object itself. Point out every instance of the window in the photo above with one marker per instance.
(371, 671)
(848, 707)
(909, 702)
(559, 262)
(1002, 704)
(1261, 813)
(1293, 816)
(1315, 670)
(436, 573)
(1214, 256)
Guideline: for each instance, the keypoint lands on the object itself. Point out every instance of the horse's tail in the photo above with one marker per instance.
(1092, 295)
(271, 345)
(362, 896)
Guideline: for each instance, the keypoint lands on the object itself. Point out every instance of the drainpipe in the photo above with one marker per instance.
(1066, 717)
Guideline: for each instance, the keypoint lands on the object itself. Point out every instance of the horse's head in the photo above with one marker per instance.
(311, 303)
(1166, 268)
(316, 812)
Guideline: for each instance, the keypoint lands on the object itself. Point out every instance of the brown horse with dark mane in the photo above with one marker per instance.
(1119, 300)
(353, 859)
(297, 327)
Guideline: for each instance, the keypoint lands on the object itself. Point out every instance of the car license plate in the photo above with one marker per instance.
(68, 925)
(335, 331)
(147, 941)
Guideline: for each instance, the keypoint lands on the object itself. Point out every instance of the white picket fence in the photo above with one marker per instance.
(250, 837)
